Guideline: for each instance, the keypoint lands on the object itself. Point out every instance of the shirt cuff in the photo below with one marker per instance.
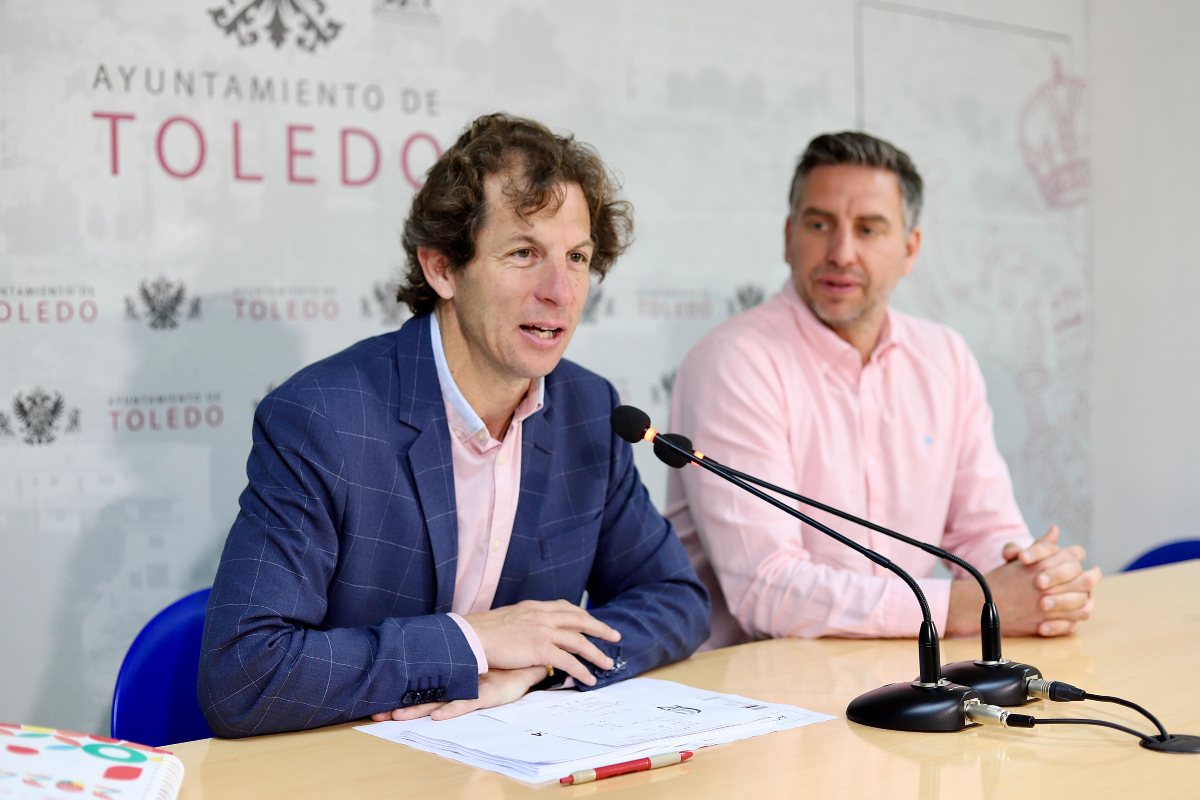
(473, 640)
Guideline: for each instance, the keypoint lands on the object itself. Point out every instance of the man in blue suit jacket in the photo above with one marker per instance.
(337, 587)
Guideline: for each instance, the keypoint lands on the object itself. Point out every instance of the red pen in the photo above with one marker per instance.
(638, 765)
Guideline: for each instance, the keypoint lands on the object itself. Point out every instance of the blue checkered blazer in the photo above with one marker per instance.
(331, 599)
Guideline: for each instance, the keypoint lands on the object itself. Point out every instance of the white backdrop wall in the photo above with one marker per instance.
(1146, 422)
(199, 197)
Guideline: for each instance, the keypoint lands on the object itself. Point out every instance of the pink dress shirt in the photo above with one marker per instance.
(904, 440)
(487, 484)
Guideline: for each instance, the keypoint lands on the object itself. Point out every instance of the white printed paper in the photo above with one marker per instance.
(548, 735)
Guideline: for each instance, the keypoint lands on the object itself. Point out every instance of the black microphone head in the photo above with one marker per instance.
(667, 454)
(630, 423)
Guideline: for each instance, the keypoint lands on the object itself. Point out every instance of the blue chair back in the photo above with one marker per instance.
(1169, 553)
(154, 702)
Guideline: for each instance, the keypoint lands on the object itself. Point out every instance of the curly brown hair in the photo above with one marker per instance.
(448, 211)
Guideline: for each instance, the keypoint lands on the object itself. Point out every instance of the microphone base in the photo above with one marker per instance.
(1000, 683)
(1175, 743)
(914, 707)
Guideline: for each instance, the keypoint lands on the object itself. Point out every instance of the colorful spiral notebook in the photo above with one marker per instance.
(48, 763)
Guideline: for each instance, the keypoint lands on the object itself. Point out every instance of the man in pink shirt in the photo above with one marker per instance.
(826, 390)
(426, 508)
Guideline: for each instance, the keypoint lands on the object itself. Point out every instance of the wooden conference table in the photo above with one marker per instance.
(1142, 644)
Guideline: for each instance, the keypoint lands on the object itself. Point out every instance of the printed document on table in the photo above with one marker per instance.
(546, 735)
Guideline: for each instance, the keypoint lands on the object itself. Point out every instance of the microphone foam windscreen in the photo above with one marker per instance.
(668, 455)
(630, 423)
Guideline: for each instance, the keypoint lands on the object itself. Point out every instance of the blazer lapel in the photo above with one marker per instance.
(421, 407)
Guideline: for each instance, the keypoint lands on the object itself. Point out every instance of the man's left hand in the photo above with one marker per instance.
(1065, 588)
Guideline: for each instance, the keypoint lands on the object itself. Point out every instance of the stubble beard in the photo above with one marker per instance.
(842, 318)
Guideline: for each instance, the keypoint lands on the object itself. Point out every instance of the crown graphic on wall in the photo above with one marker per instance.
(745, 298)
(382, 303)
(661, 392)
(303, 20)
(1053, 140)
(40, 417)
(163, 304)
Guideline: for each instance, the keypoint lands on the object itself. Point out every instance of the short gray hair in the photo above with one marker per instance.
(862, 149)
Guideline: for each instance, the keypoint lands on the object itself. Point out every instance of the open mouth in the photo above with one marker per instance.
(541, 332)
(838, 285)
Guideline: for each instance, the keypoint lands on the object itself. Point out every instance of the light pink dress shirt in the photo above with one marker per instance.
(487, 484)
(905, 441)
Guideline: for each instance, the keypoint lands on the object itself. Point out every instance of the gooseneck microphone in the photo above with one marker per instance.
(676, 451)
(1000, 681)
(930, 703)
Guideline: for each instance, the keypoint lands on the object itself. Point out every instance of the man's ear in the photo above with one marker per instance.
(912, 246)
(437, 270)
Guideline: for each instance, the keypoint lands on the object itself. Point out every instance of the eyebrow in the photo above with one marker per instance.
(522, 238)
(818, 212)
